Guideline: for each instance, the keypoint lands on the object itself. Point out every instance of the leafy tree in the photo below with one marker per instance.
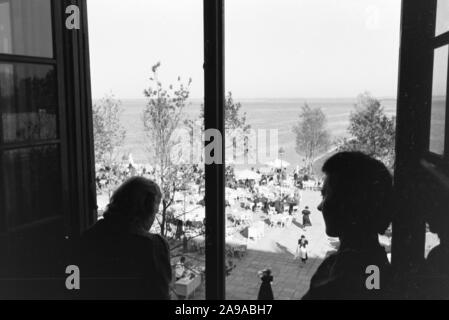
(235, 126)
(162, 116)
(194, 128)
(233, 117)
(372, 132)
(109, 134)
(312, 137)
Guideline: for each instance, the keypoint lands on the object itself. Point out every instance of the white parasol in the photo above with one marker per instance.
(278, 164)
(247, 174)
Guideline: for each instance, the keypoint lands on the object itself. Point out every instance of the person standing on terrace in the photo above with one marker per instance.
(265, 291)
(301, 249)
(305, 217)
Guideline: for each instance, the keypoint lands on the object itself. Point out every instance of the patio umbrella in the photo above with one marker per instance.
(265, 170)
(247, 174)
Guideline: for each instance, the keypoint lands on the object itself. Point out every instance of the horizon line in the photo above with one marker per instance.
(264, 98)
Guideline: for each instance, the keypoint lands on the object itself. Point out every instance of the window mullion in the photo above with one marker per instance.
(215, 173)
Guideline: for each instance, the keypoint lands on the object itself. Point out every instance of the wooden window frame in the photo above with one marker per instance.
(75, 128)
(214, 80)
(435, 42)
(414, 162)
(59, 141)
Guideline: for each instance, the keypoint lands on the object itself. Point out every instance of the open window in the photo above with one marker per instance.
(421, 152)
(47, 164)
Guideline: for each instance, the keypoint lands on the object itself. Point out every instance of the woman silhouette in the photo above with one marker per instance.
(265, 291)
(357, 206)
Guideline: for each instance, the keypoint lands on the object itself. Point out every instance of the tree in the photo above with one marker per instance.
(162, 116)
(233, 117)
(109, 134)
(312, 137)
(236, 127)
(372, 132)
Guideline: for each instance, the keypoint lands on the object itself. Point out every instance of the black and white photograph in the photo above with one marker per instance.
(224, 150)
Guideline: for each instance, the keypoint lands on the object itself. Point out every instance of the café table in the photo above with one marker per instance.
(184, 287)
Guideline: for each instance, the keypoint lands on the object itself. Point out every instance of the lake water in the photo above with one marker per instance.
(280, 114)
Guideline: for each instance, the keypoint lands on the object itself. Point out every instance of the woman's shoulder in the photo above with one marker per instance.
(155, 240)
(347, 264)
(342, 275)
(437, 261)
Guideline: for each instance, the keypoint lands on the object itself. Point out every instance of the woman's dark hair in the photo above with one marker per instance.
(132, 196)
(365, 187)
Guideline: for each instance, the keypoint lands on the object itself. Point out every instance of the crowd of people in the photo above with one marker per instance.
(357, 206)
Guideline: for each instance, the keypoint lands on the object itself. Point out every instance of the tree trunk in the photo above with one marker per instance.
(164, 215)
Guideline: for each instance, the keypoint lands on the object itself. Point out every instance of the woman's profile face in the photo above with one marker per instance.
(330, 209)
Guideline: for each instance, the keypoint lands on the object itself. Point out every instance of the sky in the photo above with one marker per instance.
(273, 48)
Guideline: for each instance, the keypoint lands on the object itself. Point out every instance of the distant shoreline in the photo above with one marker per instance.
(265, 114)
(237, 99)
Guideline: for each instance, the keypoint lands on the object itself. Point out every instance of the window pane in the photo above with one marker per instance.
(438, 113)
(162, 138)
(39, 170)
(28, 102)
(442, 23)
(25, 28)
(298, 99)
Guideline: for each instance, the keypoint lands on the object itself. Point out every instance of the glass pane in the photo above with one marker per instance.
(274, 177)
(119, 106)
(442, 23)
(25, 28)
(28, 102)
(438, 113)
(39, 170)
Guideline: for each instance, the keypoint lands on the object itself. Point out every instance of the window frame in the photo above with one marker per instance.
(214, 79)
(416, 167)
(40, 250)
(442, 161)
(59, 141)
(412, 131)
(75, 128)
